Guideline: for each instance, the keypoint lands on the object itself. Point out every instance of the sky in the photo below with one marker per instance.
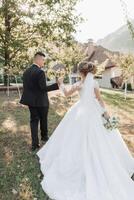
(102, 17)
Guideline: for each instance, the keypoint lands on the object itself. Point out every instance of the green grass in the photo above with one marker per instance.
(20, 174)
(117, 100)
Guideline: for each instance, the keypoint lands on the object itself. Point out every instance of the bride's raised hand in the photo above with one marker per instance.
(60, 81)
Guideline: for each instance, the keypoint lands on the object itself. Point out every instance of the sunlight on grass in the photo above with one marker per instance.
(24, 128)
(9, 124)
(8, 154)
(20, 176)
(25, 190)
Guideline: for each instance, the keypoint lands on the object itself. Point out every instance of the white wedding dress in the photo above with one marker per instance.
(83, 160)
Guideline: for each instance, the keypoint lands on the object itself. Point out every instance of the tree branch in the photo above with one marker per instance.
(3, 40)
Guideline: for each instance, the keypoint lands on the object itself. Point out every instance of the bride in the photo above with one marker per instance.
(83, 160)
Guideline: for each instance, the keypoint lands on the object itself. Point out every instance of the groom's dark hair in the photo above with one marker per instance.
(39, 53)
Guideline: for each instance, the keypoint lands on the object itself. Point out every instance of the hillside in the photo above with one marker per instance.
(119, 40)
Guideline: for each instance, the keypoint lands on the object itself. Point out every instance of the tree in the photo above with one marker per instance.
(30, 25)
(70, 56)
(129, 23)
(126, 62)
(130, 27)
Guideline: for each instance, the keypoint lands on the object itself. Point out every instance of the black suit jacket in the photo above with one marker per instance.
(35, 88)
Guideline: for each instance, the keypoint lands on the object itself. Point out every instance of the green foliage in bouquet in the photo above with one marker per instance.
(111, 123)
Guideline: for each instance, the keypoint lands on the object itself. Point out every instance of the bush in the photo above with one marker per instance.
(13, 80)
(129, 87)
(66, 79)
(1, 79)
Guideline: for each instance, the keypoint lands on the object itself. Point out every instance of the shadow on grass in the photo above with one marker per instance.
(20, 174)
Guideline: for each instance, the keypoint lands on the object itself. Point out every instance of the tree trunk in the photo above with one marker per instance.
(5, 77)
(7, 40)
(125, 91)
(6, 82)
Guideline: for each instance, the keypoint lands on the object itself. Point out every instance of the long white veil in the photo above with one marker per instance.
(88, 88)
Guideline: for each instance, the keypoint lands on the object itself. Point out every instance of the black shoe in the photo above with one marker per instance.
(45, 139)
(35, 147)
(132, 177)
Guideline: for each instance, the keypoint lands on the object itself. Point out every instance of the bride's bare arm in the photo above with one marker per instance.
(68, 92)
(100, 100)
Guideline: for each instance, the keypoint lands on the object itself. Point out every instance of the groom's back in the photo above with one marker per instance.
(32, 94)
(30, 79)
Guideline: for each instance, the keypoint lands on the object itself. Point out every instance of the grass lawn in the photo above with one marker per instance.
(20, 175)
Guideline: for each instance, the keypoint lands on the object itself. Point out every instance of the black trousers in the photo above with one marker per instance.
(38, 114)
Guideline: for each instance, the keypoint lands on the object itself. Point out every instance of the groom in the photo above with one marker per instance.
(36, 98)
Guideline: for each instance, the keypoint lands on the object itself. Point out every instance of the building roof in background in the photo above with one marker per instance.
(109, 64)
(99, 54)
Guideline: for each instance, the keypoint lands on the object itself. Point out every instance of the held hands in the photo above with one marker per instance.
(73, 88)
(60, 81)
(61, 84)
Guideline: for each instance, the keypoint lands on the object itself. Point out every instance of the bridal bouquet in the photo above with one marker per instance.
(111, 123)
